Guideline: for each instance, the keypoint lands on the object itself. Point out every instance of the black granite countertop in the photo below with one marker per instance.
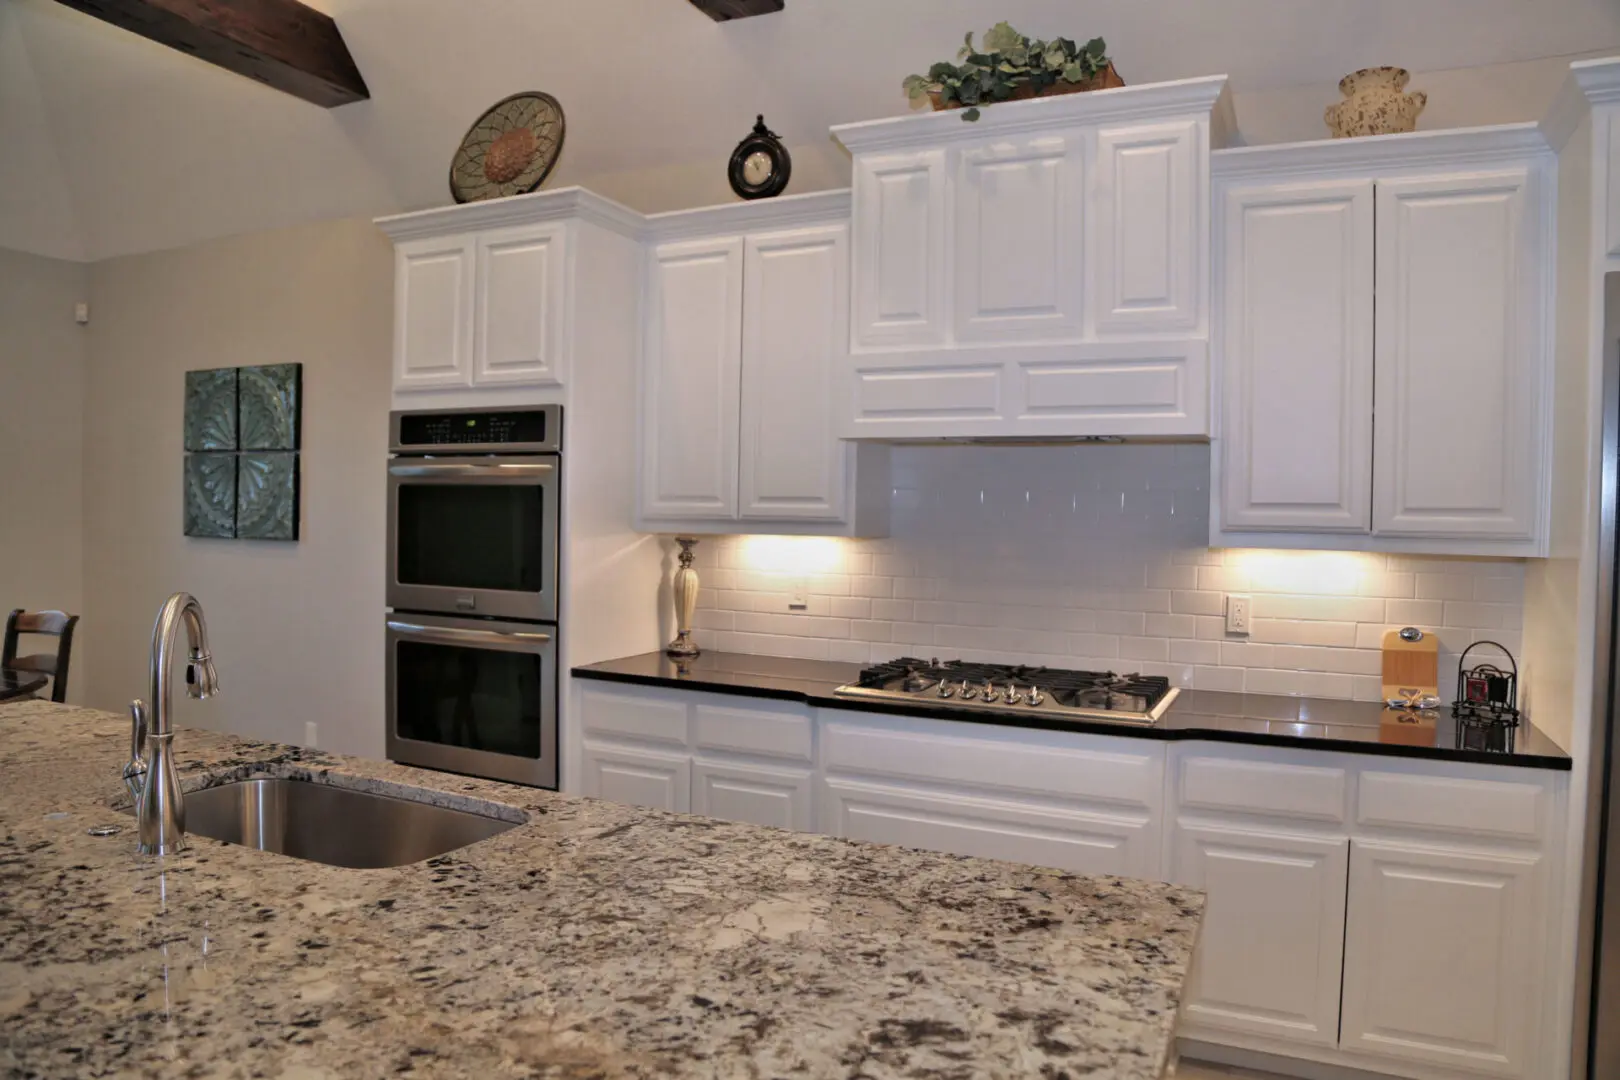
(1262, 719)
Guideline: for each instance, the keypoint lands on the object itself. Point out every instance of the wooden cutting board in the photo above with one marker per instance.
(1411, 668)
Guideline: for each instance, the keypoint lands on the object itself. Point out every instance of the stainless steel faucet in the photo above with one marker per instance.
(160, 811)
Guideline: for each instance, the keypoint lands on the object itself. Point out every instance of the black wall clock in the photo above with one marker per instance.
(761, 165)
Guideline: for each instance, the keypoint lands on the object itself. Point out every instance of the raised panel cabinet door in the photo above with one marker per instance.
(902, 251)
(522, 305)
(637, 777)
(433, 303)
(691, 375)
(795, 340)
(1272, 945)
(977, 824)
(1146, 209)
(1297, 344)
(1458, 444)
(1018, 239)
(756, 794)
(1442, 957)
(1614, 178)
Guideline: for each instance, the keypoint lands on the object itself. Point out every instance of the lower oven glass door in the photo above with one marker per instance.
(472, 696)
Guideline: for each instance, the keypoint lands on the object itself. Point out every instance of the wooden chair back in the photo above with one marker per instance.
(57, 624)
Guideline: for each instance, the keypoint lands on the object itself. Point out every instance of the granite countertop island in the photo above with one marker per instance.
(594, 940)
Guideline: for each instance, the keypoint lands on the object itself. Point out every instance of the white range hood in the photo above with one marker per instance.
(1042, 272)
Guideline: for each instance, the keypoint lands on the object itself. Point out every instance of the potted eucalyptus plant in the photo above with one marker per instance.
(1011, 66)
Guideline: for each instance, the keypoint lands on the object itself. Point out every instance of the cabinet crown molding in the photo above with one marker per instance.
(783, 213)
(1599, 80)
(1378, 154)
(554, 205)
(1125, 103)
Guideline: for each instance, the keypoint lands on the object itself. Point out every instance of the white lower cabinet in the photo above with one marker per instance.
(757, 794)
(945, 820)
(637, 776)
(1272, 944)
(1442, 956)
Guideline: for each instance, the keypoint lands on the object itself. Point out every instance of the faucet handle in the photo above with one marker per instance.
(138, 727)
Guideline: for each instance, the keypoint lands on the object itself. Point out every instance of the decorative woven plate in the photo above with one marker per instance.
(510, 150)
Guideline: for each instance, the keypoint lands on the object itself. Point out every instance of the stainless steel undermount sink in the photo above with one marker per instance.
(333, 825)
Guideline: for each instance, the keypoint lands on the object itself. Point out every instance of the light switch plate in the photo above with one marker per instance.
(1237, 613)
(799, 594)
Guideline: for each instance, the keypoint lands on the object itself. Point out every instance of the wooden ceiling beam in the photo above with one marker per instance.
(281, 43)
(721, 10)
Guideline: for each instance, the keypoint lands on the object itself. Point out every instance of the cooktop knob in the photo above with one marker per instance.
(1035, 696)
(967, 692)
(1012, 696)
(945, 690)
(990, 692)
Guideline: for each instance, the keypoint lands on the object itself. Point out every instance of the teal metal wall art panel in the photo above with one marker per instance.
(211, 495)
(267, 496)
(242, 462)
(268, 406)
(211, 409)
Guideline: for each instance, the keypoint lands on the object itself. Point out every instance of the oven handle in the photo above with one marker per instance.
(455, 635)
(445, 468)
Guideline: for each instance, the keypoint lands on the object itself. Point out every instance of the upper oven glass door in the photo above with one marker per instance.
(474, 535)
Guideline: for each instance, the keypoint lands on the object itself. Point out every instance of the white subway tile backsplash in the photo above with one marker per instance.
(900, 610)
(1195, 652)
(1420, 613)
(1094, 556)
(1144, 648)
(1198, 603)
(1169, 626)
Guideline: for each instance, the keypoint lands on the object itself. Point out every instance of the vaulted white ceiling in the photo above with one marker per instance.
(111, 144)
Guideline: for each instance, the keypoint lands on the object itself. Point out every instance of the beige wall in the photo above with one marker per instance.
(43, 354)
(296, 628)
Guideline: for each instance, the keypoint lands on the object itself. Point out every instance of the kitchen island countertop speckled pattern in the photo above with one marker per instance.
(595, 940)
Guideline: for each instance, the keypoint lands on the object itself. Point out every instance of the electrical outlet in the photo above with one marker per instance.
(311, 730)
(1237, 614)
(799, 594)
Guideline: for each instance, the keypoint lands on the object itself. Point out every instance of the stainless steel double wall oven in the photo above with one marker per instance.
(474, 518)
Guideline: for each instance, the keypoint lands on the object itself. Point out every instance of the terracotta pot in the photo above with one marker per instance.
(1374, 104)
(1106, 79)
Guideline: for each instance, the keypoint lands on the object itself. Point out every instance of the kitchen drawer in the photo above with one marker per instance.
(1127, 772)
(1489, 808)
(780, 731)
(647, 715)
(1309, 792)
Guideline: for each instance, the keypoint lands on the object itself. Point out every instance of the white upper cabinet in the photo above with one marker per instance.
(1018, 271)
(1075, 228)
(484, 293)
(900, 250)
(794, 324)
(521, 298)
(1384, 343)
(747, 324)
(1461, 364)
(433, 300)
(1297, 279)
(1147, 241)
(690, 379)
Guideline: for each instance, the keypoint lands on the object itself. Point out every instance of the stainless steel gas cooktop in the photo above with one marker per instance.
(1081, 695)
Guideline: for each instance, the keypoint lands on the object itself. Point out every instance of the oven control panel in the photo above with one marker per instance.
(463, 430)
